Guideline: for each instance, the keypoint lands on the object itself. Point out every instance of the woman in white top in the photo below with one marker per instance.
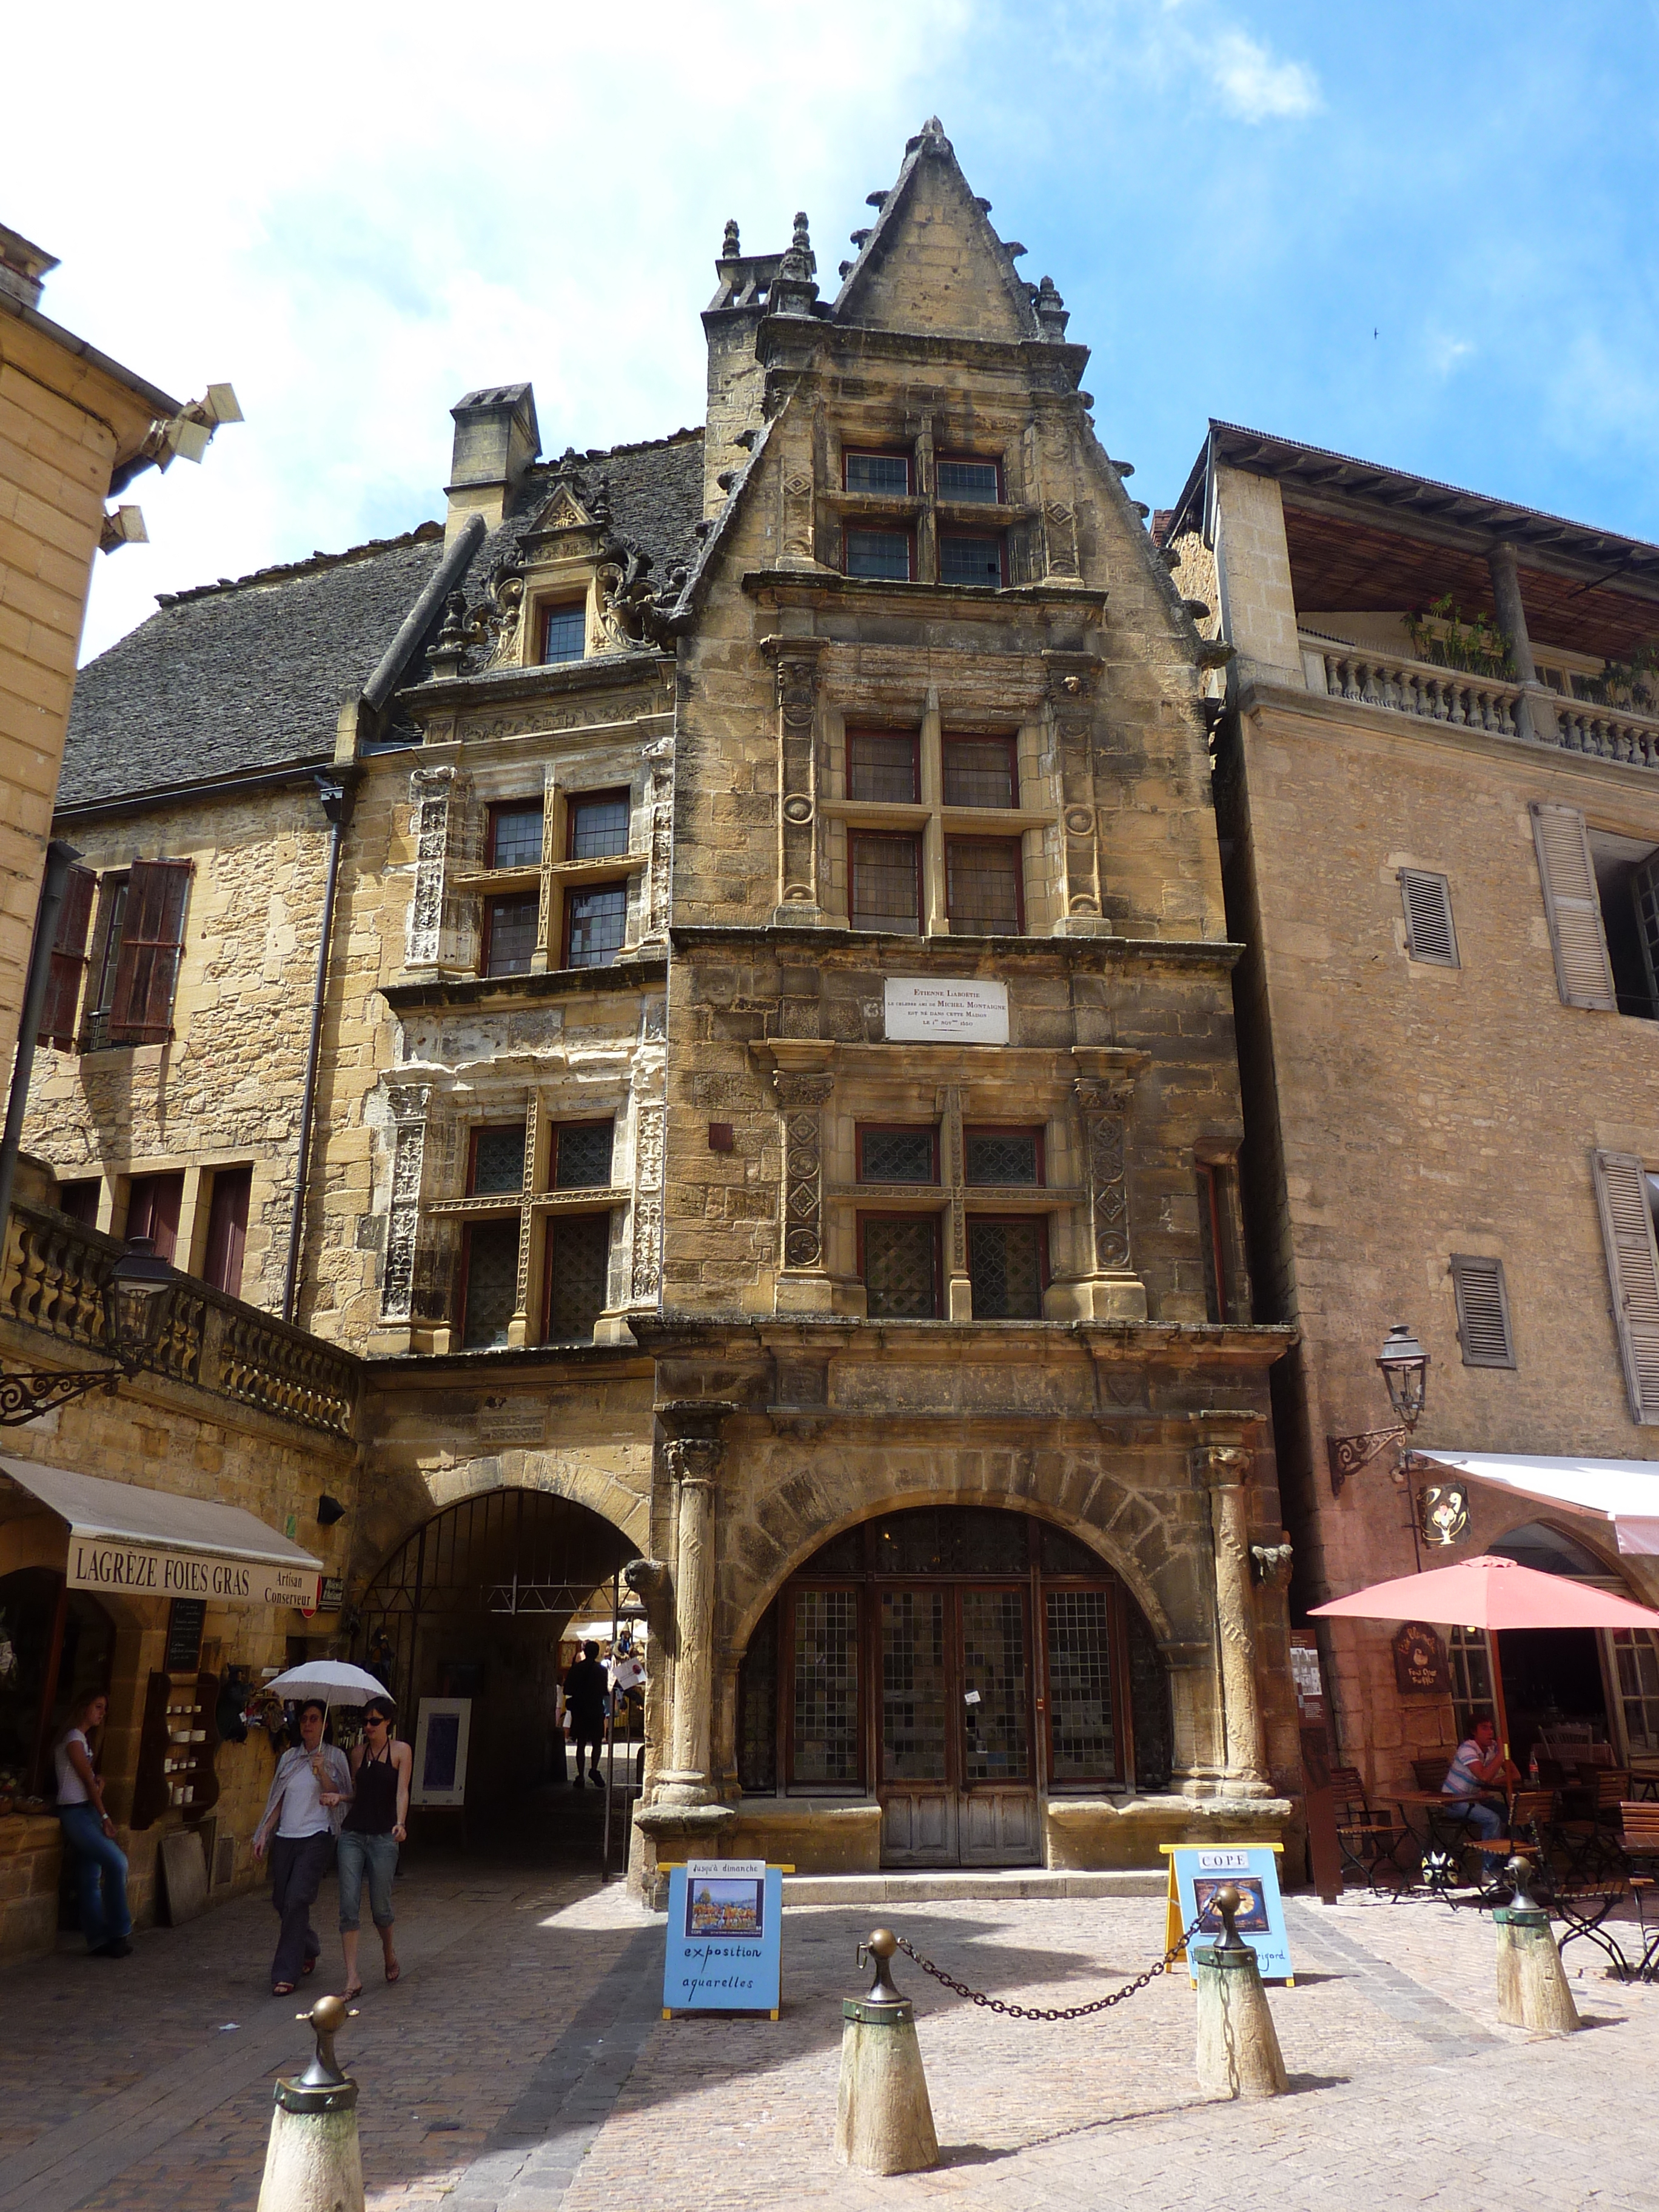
(89, 1834)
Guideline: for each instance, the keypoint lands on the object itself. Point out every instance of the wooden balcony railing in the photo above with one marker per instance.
(54, 1277)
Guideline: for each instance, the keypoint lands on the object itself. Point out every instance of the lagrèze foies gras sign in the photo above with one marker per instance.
(110, 1563)
(944, 1009)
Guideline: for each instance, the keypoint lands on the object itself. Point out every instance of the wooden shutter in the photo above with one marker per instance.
(152, 937)
(1429, 934)
(1583, 973)
(1621, 1193)
(69, 960)
(1483, 1310)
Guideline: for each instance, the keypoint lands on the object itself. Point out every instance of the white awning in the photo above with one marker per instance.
(153, 1543)
(1624, 1491)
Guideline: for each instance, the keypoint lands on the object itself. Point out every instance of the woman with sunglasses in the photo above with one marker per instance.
(381, 1769)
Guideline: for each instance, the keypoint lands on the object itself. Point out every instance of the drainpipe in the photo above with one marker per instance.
(336, 801)
(60, 857)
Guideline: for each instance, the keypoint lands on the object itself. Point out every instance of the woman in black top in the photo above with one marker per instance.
(381, 1769)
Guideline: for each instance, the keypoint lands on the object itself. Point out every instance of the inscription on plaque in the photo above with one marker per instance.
(946, 1009)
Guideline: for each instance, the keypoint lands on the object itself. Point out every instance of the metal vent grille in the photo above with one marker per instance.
(1429, 934)
(1483, 1311)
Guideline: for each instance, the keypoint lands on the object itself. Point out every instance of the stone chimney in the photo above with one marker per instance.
(496, 439)
(736, 381)
(23, 267)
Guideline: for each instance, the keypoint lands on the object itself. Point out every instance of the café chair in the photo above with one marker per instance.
(1430, 1770)
(1638, 1835)
(1367, 1840)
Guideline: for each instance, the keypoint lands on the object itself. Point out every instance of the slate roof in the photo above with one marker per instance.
(250, 672)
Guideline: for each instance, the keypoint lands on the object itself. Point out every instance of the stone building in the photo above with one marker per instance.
(1438, 789)
(774, 1118)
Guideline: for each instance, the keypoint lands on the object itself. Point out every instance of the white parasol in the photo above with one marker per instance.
(336, 1681)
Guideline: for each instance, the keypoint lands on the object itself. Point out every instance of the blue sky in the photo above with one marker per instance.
(1421, 234)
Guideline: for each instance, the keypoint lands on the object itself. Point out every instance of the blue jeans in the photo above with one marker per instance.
(101, 1871)
(379, 1854)
(1483, 1818)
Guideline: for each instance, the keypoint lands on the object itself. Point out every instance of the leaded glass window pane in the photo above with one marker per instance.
(898, 1156)
(969, 560)
(824, 1687)
(1081, 1684)
(997, 1743)
(515, 836)
(901, 1263)
(980, 772)
(944, 1539)
(598, 827)
(974, 480)
(1469, 1658)
(886, 882)
(578, 1270)
(982, 884)
(884, 553)
(598, 918)
(1004, 1266)
(564, 633)
(878, 472)
(498, 1161)
(581, 1155)
(492, 1281)
(1001, 1157)
(510, 935)
(1638, 1657)
(881, 766)
(914, 1712)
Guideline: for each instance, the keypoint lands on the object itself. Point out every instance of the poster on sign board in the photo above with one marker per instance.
(725, 1949)
(1197, 1872)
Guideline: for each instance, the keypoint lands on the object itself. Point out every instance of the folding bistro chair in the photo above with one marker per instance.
(1367, 1839)
(1638, 1832)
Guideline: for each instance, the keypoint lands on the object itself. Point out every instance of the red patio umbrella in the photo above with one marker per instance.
(1492, 1593)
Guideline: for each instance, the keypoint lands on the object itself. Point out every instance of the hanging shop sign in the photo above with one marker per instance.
(1442, 1512)
(113, 1566)
(724, 1937)
(1421, 1667)
(945, 1010)
(1196, 1873)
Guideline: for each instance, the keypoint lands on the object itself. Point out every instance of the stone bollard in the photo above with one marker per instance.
(312, 2161)
(1532, 1983)
(883, 2122)
(1238, 2053)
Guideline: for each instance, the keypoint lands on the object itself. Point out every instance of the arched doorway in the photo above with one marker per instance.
(959, 1663)
(473, 1606)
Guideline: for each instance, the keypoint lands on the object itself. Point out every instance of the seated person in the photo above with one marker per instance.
(1478, 1766)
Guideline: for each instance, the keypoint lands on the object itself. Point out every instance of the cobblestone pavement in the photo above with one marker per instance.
(522, 2064)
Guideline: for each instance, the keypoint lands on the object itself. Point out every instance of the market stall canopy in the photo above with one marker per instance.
(1490, 1593)
(1624, 1491)
(152, 1543)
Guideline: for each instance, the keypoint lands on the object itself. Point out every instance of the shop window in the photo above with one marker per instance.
(886, 887)
(61, 1645)
(578, 1275)
(79, 1201)
(880, 553)
(824, 1688)
(515, 834)
(887, 474)
(581, 1155)
(883, 767)
(965, 560)
(1469, 1658)
(980, 772)
(983, 890)
(897, 1155)
(140, 939)
(1008, 1267)
(1635, 1656)
(899, 1261)
(1483, 1310)
(962, 479)
(489, 1262)
(1002, 1156)
(564, 631)
(153, 1204)
(1431, 935)
(509, 934)
(596, 923)
(496, 1165)
(598, 825)
(1082, 1722)
(227, 1235)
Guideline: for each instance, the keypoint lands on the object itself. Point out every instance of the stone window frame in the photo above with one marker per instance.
(925, 441)
(564, 784)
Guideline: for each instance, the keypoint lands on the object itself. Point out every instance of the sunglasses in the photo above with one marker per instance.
(375, 1720)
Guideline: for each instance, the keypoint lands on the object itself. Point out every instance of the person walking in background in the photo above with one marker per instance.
(585, 1697)
(89, 1834)
(303, 1845)
(381, 1770)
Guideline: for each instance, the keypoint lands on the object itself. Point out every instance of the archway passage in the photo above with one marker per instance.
(473, 1606)
(961, 1663)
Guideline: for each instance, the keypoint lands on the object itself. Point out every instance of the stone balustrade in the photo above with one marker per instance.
(54, 1278)
(1607, 732)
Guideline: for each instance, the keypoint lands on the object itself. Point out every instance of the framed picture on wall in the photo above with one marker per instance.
(440, 1741)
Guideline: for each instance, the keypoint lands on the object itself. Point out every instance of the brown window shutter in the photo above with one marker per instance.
(1583, 973)
(1621, 1193)
(1429, 934)
(69, 959)
(1483, 1310)
(152, 937)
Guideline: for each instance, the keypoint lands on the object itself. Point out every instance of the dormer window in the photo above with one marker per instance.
(564, 631)
(887, 474)
(980, 482)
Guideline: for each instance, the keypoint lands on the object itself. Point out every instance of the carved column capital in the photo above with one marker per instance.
(1221, 1467)
(1104, 1094)
(694, 1459)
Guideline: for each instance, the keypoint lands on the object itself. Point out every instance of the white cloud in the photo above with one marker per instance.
(1254, 85)
(1446, 353)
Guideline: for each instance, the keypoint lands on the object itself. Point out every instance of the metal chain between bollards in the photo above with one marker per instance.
(1070, 2012)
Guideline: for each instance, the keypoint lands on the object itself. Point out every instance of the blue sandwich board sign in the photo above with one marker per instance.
(724, 1937)
(1197, 1871)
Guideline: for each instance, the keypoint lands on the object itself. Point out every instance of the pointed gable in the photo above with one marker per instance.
(932, 261)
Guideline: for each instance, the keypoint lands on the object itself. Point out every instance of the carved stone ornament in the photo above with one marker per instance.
(645, 1278)
(801, 1098)
(409, 1105)
(694, 1459)
(1079, 821)
(798, 688)
(797, 808)
(1222, 1467)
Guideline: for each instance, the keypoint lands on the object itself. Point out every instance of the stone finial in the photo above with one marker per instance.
(801, 243)
(1051, 309)
(730, 248)
(793, 290)
(447, 652)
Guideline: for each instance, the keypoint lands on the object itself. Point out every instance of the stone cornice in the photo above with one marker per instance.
(555, 679)
(945, 956)
(491, 994)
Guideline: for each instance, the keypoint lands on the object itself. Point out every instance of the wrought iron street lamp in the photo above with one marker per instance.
(1405, 1366)
(136, 1301)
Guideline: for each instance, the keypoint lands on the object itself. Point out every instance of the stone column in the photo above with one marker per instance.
(801, 1082)
(693, 1450)
(1223, 1471)
(795, 660)
(1108, 1288)
(1534, 710)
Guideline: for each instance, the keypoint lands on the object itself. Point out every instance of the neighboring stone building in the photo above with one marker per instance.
(1438, 788)
(776, 1115)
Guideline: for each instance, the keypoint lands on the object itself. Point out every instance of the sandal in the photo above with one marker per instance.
(355, 1989)
(281, 1989)
(310, 1966)
(393, 1970)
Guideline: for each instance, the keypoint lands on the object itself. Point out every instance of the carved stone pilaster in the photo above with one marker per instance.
(801, 1081)
(1109, 1289)
(795, 661)
(408, 1104)
(1071, 712)
(692, 1451)
(1223, 1471)
(959, 1285)
(440, 934)
(646, 1276)
(660, 797)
